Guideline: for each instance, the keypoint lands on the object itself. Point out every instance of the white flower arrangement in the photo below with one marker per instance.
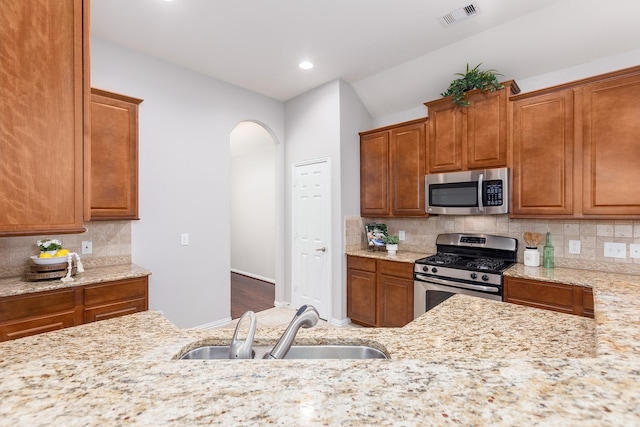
(49, 245)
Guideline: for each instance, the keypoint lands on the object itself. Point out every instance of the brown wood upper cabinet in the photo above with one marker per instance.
(543, 155)
(473, 137)
(114, 156)
(44, 88)
(611, 146)
(576, 151)
(392, 170)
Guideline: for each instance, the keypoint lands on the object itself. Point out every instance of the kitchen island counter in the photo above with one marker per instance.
(466, 362)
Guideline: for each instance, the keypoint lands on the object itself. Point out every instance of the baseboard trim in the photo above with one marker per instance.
(284, 304)
(254, 276)
(340, 323)
(214, 325)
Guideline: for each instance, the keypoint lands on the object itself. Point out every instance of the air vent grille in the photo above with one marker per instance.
(460, 14)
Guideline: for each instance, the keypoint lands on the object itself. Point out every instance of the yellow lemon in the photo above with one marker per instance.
(62, 252)
(45, 255)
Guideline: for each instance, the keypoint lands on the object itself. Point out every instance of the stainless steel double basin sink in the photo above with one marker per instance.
(295, 352)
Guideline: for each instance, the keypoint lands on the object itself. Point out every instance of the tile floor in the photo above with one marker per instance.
(280, 317)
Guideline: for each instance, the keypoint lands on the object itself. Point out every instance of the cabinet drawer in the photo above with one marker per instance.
(113, 292)
(395, 268)
(40, 304)
(37, 325)
(361, 263)
(108, 311)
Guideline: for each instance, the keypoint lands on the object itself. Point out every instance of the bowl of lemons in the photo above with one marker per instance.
(51, 257)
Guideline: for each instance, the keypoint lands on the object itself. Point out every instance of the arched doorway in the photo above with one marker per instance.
(254, 218)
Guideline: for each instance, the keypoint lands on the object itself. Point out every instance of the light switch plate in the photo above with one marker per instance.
(184, 239)
(634, 250)
(401, 235)
(574, 247)
(615, 250)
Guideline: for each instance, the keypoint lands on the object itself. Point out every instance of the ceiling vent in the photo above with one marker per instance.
(458, 15)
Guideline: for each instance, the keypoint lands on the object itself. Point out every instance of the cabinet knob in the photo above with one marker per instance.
(322, 249)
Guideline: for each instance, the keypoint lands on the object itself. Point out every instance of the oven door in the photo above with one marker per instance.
(429, 292)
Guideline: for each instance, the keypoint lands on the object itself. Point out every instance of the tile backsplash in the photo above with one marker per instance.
(421, 235)
(111, 244)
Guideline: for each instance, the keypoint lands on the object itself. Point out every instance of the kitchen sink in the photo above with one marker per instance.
(296, 352)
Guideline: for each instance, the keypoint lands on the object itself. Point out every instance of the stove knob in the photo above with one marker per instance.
(485, 277)
(474, 276)
(425, 269)
(434, 270)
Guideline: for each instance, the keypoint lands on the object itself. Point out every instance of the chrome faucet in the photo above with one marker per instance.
(306, 317)
(243, 349)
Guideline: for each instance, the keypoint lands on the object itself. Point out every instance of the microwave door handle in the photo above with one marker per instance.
(480, 205)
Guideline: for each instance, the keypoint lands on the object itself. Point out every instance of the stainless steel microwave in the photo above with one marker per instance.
(475, 192)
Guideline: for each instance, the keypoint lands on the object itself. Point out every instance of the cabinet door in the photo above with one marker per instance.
(407, 159)
(374, 174)
(44, 103)
(611, 148)
(114, 156)
(361, 290)
(543, 153)
(485, 123)
(445, 136)
(395, 293)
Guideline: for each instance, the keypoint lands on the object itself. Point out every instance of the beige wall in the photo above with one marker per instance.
(111, 241)
(421, 234)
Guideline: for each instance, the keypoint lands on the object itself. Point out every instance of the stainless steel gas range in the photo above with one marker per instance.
(469, 264)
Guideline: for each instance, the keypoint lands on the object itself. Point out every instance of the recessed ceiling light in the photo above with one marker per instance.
(305, 65)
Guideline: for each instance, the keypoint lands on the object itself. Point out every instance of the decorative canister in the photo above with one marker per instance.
(531, 257)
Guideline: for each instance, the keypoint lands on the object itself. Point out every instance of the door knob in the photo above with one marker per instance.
(322, 249)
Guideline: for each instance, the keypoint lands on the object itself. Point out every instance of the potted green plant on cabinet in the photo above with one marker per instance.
(391, 242)
(474, 78)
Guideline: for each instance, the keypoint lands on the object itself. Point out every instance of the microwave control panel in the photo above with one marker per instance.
(493, 192)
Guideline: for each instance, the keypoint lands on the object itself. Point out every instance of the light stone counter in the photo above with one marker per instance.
(400, 256)
(466, 362)
(18, 285)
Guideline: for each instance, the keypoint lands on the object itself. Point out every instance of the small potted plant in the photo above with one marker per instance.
(392, 244)
(49, 246)
(485, 80)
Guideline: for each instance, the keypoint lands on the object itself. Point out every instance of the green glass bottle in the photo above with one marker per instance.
(547, 253)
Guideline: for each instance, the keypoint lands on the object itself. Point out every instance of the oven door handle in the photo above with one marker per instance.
(457, 284)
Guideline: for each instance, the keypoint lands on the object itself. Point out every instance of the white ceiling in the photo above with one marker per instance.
(395, 53)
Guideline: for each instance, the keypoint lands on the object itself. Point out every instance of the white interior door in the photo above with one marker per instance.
(311, 278)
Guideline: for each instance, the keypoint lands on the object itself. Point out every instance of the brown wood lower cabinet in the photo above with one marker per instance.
(379, 292)
(115, 299)
(39, 312)
(549, 296)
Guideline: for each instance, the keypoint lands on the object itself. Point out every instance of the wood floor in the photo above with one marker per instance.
(250, 294)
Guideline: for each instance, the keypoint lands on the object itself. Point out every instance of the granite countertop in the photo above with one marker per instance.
(18, 285)
(469, 361)
(400, 256)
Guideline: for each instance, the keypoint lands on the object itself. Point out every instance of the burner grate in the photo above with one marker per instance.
(443, 258)
(486, 263)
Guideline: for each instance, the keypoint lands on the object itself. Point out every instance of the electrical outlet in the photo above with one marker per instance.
(184, 239)
(87, 247)
(634, 250)
(615, 250)
(401, 235)
(574, 247)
